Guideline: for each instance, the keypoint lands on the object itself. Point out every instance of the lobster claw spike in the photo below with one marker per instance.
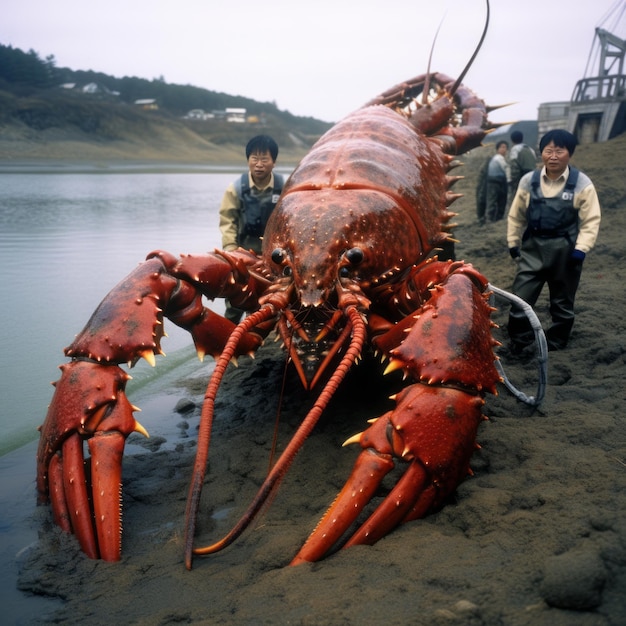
(139, 427)
(148, 355)
(354, 439)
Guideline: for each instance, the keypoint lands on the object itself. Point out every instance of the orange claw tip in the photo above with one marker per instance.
(394, 364)
(148, 355)
(141, 430)
(354, 439)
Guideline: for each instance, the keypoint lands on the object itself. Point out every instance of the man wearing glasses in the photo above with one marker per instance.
(249, 201)
(552, 224)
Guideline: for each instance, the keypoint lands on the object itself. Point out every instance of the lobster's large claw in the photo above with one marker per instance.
(433, 431)
(89, 403)
(433, 426)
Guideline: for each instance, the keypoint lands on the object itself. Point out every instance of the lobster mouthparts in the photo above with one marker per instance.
(314, 343)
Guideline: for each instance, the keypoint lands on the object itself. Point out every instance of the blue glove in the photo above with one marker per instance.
(576, 259)
(515, 253)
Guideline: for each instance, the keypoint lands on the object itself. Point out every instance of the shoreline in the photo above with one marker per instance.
(120, 166)
(20, 531)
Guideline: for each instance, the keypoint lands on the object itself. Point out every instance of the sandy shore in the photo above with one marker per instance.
(537, 535)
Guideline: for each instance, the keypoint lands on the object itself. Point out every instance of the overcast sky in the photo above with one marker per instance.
(324, 58)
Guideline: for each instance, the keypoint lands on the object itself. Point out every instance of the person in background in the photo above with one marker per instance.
(522, 159)
(481, 192)
(249, 201)
(498, 178)
(552, 224)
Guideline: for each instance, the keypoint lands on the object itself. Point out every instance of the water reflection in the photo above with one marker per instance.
(65, 240)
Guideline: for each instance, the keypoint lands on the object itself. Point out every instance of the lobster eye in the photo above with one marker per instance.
(287, 271)
(344, 272)
(355, 255)
(278, 256)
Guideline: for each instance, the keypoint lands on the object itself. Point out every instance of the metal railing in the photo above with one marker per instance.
(600, 88)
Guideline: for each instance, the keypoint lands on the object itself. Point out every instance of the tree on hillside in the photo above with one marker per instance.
(26, 68)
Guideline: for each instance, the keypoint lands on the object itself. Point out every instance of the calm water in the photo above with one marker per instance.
(65, 240)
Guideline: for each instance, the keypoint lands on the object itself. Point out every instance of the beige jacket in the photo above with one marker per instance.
(585, 201)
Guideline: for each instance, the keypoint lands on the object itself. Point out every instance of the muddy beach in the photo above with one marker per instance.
(537, 535)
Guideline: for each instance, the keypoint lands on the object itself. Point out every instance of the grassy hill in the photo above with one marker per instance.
(40, 119)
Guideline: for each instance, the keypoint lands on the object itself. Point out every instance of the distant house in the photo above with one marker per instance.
(198, 114)
(236, 115)
(147, 104)
(95, 88)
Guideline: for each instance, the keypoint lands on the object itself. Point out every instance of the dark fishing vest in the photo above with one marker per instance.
(257, 206)
(552, 217)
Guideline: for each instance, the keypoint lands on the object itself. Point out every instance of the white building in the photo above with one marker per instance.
(236, 115)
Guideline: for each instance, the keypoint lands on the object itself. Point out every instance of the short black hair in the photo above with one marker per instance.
(517, 136)
(502, 142)
(262, 143)
(561, 139)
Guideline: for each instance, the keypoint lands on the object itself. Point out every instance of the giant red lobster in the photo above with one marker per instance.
(347, 261)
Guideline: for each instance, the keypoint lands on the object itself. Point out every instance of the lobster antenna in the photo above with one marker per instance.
(459, 80)
(278, 413)
(293, 447)
(430, 58)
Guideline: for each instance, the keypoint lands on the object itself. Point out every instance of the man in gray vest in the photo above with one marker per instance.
(552, 224)
(248, 202)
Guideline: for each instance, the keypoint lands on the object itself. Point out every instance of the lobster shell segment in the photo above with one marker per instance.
(378, 150)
